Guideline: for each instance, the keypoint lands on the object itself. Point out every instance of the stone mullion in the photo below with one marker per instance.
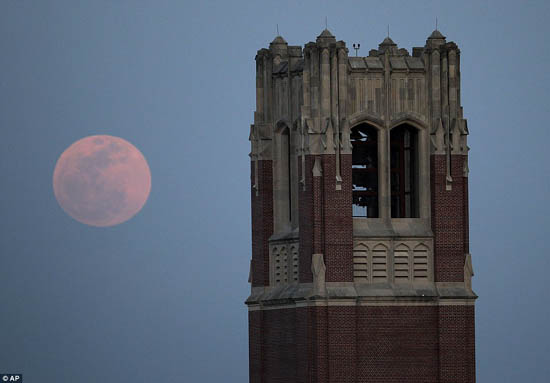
(384, 189)
(423, 182)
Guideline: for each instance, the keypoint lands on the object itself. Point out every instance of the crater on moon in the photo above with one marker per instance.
(101, 180)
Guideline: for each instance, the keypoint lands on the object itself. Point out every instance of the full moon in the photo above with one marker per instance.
(101, 180)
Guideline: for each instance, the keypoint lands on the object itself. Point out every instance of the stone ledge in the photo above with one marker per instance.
(360, 293)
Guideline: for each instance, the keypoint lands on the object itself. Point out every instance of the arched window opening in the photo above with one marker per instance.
(285, 180)
(404, 172)
(364, 139)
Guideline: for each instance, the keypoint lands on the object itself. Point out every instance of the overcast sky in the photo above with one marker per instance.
(160, 298)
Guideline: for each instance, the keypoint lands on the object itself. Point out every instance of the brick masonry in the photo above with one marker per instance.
(305, 204)
(375, 344)
(449, 218)
(337, 220)
(262, 222)
(456, 344)
(326, 224)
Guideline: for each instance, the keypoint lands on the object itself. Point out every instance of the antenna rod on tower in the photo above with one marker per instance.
(388, 30)
(356, 47)
(326, 22)
(436, 23)
(277, 29)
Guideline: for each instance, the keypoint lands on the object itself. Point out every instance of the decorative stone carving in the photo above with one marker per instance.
(455, 135)
(459, 134)
(449, 182)
(283, 263)
(328, 137)
(463, 127)
(260, 140)
(317, 169)
(318, 269)
(438, 138)
(309, 123)
(345, 141)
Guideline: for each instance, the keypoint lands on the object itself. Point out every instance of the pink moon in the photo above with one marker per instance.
(101, 180)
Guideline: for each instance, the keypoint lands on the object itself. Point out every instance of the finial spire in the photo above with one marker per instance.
(326, 22)
(388, 30)
(436, 23)
(277, 29)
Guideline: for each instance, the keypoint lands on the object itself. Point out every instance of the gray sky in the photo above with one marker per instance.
(161, 296)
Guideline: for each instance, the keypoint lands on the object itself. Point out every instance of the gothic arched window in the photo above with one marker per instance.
(404, 172)
(364, 139)
(285, 180)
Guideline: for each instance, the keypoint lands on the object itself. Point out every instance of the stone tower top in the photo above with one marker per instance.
(359, 202)
(326, 35)
(436, 39)
(387, 41)
(436, 35)
(279, 40)
(387, 45)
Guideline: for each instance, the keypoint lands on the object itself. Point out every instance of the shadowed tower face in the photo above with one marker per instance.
(360, 267)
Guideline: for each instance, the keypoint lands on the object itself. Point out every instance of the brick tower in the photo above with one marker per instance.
(360, 266)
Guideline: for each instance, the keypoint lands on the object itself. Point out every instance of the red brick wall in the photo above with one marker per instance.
(397, 344)
(305, 207)
(465, 208)
(457, 344)
(304, 348)
(449, 218)
(342, 344)
(279, 346)
(316, 189)
(337, 245)
(375, 344)
(326, 224)
(318, 330)
(255, 346)
(262, 222)
(279, 356)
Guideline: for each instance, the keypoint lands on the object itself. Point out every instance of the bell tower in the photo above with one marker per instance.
(360, 267)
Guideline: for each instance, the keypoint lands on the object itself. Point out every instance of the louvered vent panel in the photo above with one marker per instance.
(420, 269)
(379, 264)
(401, 264)
(360, 266)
